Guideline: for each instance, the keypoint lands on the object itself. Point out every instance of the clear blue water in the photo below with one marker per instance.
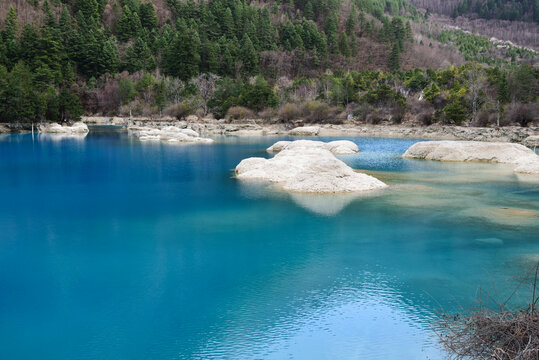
(114, 249)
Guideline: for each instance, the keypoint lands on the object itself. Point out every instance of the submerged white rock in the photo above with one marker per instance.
(305, 131)
(307, 170)
(338, 147)
(169, 134)
(497, 152)
(55, 128)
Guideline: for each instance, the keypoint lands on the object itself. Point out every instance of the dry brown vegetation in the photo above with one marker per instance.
(502, 334)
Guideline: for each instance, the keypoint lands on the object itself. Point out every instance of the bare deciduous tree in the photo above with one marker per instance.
(205, 84)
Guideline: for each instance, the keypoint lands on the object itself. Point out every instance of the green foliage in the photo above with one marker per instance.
(522, 10)
(432, 92)
(393, 62)
(455, 111)
(383, 95)
(480, 49)
(126, 90)
(129, 25)
(258, 96)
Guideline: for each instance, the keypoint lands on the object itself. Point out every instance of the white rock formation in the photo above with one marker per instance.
(528, 166)
(169, 134)
(339, 147)
(55, 128)
(531, 141)
(307, 170)
(506, 153)
(305, 131)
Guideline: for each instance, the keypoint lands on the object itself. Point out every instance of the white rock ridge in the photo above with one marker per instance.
(55, 128)
(170, 134)
(305, 131)
(339, 147)
(307, 170)
(497, 152)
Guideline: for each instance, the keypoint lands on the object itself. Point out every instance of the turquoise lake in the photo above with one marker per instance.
(115, 249)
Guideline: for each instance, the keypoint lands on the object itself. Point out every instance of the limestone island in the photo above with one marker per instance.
(171, 134)
(527, 160)
(338, 147)
(55, 128)
(307, 167)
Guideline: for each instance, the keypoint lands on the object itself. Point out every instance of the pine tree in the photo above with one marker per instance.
(409, 35)
(148, 18)
(394, 58)
(183, 54)
(209, 56)
(139, 57)
(227, 24)
(354, 48)
(9, 35)
(266, 31)
(70, 107)
(50, 20)
(351, 22)
(331, 33)
(248, 55)
(89, 8)
(503, 90)
(129, 25)
(227, 61)
(343, 45)
(308, 11)
(110, 58)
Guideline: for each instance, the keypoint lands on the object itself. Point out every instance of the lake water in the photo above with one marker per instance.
(115, 249)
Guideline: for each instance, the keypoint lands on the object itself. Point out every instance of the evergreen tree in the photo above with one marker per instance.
(227, 24)
(110, 58)
(354, 48)
(69, 106)
(248, 55)
(503, 90)
(129, 25)
(9, 36)
(148, 18)
(139, 57)
(351, 22)
(183, 54)
(343, 45)
(89, 8)
(227, 62)
(331, 33)
(394, 58)
(308, 11)
(209, 57)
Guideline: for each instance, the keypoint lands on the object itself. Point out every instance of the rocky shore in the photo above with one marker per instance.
(206, 127)
(257, 127)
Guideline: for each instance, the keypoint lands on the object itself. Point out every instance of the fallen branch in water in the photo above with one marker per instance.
(501, 334)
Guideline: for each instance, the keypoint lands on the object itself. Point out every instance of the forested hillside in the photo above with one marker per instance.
(521, 10)
(315, 59)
